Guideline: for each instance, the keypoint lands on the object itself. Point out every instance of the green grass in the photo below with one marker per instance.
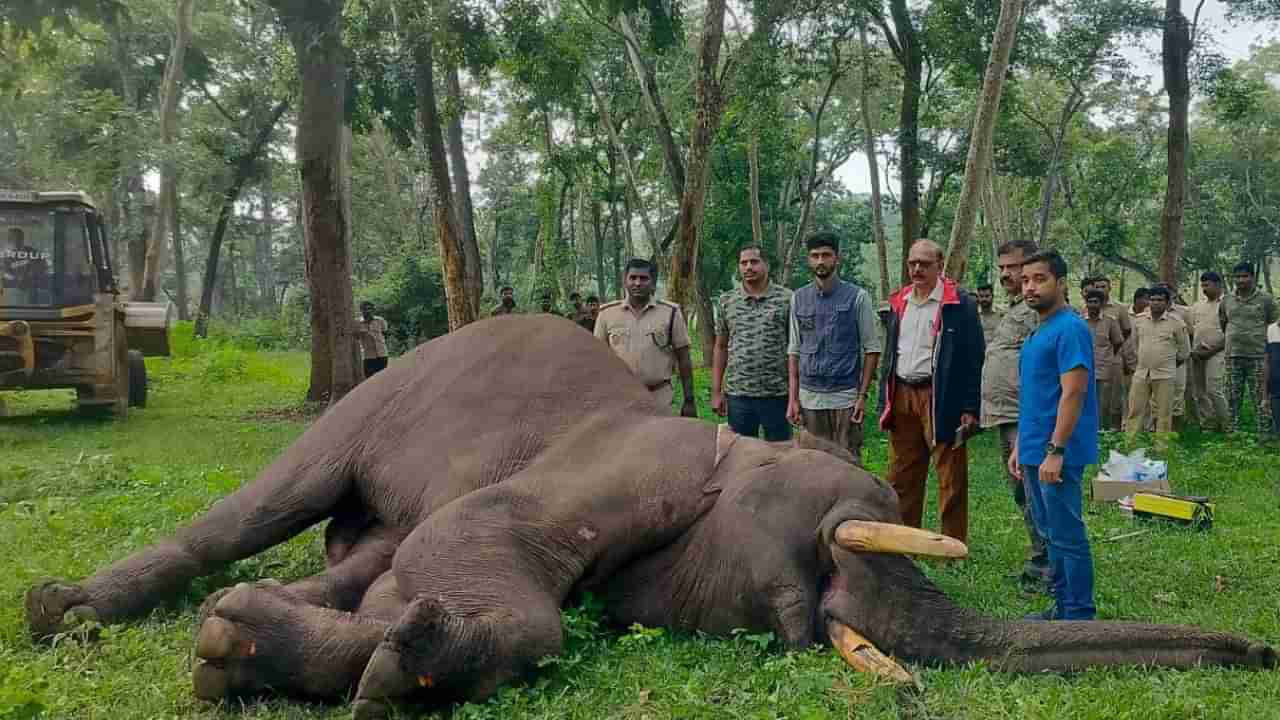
(76, 494)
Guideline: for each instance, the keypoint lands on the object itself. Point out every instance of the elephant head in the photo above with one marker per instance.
(806, 545)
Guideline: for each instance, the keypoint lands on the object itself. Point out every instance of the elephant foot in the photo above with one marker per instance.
(412, 664)
(257, 638)
(55, 607)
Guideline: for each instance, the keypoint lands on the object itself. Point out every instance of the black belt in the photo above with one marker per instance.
(922, 382)
(658, 386)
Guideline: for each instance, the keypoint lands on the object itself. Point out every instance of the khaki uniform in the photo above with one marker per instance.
(1000, 409)
(990, 321)
(1161, 346)
(1183, 313)
(1208, 366)
(647, 341)
(1111, 403)
(1107, 340)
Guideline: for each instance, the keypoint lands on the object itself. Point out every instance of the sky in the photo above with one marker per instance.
(1232, 41)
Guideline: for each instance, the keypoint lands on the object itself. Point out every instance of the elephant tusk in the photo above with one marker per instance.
(866, 536)
(863, 656)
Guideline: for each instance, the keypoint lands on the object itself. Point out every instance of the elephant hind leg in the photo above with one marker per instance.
(343, 585)
(260, 637)
(300, 489)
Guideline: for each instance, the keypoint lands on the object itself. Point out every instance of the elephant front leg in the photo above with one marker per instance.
(434, 654)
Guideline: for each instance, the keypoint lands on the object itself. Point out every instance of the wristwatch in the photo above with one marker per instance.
(1052, 449)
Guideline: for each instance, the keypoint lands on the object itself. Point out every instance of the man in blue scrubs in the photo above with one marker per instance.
(1058, 432)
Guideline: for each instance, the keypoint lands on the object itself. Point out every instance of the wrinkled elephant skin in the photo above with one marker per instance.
(471, 487)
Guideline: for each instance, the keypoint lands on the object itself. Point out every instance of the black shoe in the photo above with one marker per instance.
(1050, 613)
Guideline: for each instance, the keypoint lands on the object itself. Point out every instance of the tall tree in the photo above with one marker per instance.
(463, 210)
(167, 114)
(709, 93)
(315, 31)
(1175, 56)
(907, 44)
(980, 138)
(869, 136)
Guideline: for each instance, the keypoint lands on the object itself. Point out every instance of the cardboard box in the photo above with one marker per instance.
(1107, 490)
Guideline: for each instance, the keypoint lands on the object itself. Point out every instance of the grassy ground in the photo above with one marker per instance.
(76, 494)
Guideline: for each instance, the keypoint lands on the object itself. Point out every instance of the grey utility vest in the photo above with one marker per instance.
(830, 342)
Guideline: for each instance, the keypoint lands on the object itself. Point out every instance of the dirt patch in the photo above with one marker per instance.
(304, 413)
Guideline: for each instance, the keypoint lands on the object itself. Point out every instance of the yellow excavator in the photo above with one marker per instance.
(63, 320)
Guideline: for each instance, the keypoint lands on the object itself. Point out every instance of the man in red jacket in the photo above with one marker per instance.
(934, 352)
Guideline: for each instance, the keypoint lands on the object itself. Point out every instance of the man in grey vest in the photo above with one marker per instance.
(833, 352)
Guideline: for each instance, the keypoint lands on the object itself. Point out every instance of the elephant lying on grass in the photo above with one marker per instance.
(471, 488)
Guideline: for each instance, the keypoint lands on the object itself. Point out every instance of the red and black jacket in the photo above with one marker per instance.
(958, 353)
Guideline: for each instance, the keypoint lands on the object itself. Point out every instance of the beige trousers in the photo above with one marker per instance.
(1146, 396)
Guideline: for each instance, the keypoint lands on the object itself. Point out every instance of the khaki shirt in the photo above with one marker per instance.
(990, 321)
(1000, 369)
(1107, 340)
(1162, 345)
(1122, 314)
(640, 337)
(1207, 337)
(915, 335)
(373, 339)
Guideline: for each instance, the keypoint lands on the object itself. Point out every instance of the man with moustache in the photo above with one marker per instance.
(1000, 394)
(1058, 433)
(934, 353)
(1112, 397)
(650, 336)
(833, 351)
(749, 368)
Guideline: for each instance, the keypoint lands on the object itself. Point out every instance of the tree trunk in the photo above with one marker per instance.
(127, 240)
(463, 209)
(244, 169)
(753, 162)
(911, 57)
(179, 260)
(170, 90)
(262, 260)
(452, 254)
(984, 121)
(709, 101)
(1175, 52)
(873, 167)
(315, 31)
(653, 99)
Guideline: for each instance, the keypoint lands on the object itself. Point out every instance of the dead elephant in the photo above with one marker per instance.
(515, 461)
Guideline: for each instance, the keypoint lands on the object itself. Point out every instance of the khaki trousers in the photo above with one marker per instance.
(1179, 391)
(1206, 379)
(909, 457)
(1111, 410)
(1144, 396)
(835, 426)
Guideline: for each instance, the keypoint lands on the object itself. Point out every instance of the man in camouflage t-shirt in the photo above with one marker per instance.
(749, 370)
(1245, 316)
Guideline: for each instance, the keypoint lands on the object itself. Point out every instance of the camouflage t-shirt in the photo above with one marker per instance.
(757, 328)
(1246, 321)
(1000, 370)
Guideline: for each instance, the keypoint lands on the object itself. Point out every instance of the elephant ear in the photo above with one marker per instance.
(805, 440)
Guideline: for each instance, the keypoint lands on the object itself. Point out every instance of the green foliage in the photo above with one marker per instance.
(411, 297)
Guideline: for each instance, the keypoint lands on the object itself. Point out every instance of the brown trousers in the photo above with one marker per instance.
(834, 425)
(909, 457)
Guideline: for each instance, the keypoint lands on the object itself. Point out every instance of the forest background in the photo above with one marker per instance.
(267, 165)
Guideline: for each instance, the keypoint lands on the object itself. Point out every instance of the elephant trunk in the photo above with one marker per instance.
(899, 610)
